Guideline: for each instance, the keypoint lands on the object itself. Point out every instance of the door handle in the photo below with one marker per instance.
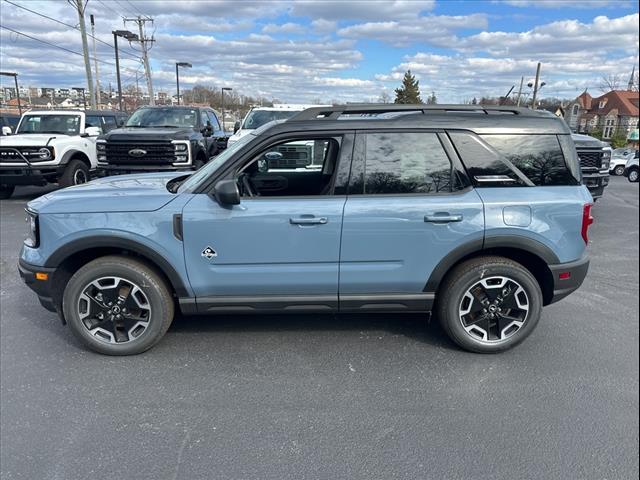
(443, 217)
(310, 220)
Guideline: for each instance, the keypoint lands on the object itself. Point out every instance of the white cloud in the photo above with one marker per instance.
(564, 3)
(434, 29)
(285, 28)
(371, 10)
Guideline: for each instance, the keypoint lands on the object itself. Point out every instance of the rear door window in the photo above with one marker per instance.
(109, 123)
(401, 163)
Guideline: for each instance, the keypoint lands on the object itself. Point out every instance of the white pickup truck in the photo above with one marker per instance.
(52, 146)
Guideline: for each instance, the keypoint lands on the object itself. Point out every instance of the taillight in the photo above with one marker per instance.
(587, 220)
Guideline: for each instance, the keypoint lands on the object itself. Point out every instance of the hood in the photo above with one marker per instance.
(122, 193)
(134, 134)
(587, 141)
(239, 134)
(29, 139)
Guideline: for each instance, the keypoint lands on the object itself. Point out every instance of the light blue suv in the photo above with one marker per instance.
(475, 213)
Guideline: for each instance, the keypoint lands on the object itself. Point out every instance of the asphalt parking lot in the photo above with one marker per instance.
(315, 397)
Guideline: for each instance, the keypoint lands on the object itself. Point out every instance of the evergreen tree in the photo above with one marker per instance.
(409, 92)
(474, 101)
(432, 99)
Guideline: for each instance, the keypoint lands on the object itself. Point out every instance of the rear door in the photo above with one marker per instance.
(408, 208)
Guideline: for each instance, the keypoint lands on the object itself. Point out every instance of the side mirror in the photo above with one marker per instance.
(6, 130)
(236, 127)
(226, 192)
(93, 131)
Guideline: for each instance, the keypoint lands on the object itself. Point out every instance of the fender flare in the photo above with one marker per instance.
(87, 243)
(478, 246)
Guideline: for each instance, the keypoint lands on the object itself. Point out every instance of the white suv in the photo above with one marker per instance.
(53, 146)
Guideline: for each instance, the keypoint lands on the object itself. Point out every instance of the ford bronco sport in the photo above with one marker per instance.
(475, 213)
(53, 146)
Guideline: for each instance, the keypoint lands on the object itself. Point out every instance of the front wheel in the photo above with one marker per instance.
(619, 170)
(118, 306)
(489, 304)
(6, 191)
(633, 175)
(76, 173)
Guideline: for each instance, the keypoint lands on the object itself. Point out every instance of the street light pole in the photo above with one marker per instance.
(223, 89)
(180, 64)
(129, 36)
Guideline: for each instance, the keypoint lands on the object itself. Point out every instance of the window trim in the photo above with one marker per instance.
(228, 171)
(457, 168)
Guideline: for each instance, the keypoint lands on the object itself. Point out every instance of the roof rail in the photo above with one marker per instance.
(334, 112)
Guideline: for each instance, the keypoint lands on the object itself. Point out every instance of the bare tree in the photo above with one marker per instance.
(635, 83)
(384, 97)
(610, 82)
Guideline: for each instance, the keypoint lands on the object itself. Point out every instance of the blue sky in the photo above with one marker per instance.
(301, 51)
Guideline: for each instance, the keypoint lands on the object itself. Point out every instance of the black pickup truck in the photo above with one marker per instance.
(162, 138)
(595, 157)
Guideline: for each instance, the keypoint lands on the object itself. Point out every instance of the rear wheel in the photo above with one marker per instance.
(619, 170)
(489, 304)
(633, 175)
(6, 191)
(118, 306)
(76, 173)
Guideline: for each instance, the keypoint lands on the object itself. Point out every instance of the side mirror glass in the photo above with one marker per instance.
(93, 131)
(236, 127)
(227, 193)
(6, 130)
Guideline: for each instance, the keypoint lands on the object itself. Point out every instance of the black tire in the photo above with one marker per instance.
(199, 163)
(465, 276)
(149, 282)
(619, 170)
(6, 191)
(76, 173)
(632, 176)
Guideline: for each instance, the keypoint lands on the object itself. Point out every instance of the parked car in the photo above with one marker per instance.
(477, 214)
(595, 158)
(8, 123)
(631, 169)
(619, 159)
(163, 138)
(53, 146)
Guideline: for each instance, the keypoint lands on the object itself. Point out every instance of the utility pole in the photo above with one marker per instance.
(535, 87)
(95, 60)
(85, 50)
(15, 80)
(520, 90)
(144, 41)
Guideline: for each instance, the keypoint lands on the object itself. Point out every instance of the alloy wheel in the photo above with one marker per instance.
(633, 176)
(114, 310)
(494, 309)
(79, 177)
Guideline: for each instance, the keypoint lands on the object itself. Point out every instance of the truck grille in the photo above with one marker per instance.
(292, 157)
(138, 153)
(590, 159)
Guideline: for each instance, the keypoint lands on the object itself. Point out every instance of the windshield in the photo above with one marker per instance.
(164, 117)
(61, 124)
(213, 165)
(257, 118)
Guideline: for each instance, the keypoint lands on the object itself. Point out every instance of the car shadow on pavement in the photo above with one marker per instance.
(418, 327)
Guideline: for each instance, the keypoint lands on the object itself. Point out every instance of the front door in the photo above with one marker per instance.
(407, 209)
(281, 244)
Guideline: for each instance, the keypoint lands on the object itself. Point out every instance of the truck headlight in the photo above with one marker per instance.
(181, 151)
(101, 146)
(32, 228)
(44, 153)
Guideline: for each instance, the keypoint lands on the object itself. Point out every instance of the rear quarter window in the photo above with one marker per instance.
(539, 157)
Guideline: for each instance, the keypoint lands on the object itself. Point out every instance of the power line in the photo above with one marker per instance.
(137, 9)
(110, 9)
(66, 25)
(58, 46)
